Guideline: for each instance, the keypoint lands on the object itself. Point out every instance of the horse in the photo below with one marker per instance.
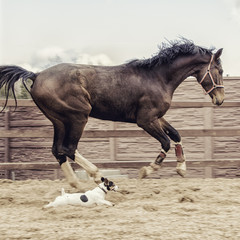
(139, 91)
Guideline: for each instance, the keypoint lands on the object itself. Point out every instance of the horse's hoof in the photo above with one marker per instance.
(142, 172)
(145, 171)
(181, 172)
(181, 168)
(97, 178)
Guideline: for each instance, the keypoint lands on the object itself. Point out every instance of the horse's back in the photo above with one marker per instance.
(80, 74)
(105, 92)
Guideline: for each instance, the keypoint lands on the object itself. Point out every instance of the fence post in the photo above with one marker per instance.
(208, 172)
(113, 144)
(7, 142)
(208, 141)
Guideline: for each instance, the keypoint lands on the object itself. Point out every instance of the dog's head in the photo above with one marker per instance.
(109, 185)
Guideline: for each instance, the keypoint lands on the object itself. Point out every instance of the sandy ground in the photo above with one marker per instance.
(144, 209)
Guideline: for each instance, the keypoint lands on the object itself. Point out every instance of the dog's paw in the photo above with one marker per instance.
(110, 204)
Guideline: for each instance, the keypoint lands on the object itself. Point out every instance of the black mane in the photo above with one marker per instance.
(169, 51)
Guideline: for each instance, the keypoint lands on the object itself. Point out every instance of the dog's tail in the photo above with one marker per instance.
(63, 192)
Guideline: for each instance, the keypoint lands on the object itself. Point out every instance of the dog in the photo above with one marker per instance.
(89, 198)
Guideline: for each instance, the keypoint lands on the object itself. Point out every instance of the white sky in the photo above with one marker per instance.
(33, 31)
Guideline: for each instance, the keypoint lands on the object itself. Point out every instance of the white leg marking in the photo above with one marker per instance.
(181, 168)
(70, 175)
(181, 159)
(91, 169)
(145, 171)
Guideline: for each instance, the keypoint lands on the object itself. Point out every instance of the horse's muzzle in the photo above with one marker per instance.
(217, 102)
(218, 97)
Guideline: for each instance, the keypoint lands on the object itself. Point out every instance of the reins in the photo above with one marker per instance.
(211, 77)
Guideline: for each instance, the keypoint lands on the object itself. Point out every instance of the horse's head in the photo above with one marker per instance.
(211, 79)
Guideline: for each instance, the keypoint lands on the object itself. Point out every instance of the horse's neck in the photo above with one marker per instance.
(185, 67)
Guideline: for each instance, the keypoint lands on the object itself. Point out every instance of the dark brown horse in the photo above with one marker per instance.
(137, 92)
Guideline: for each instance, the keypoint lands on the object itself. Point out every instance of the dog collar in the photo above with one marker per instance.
(103, 190)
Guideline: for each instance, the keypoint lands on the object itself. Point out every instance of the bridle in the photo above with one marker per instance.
(211, 77)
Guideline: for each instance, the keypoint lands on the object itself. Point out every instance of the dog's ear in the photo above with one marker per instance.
(102, 179)
(106, 181)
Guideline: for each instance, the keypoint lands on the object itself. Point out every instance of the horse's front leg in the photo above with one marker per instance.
(155, 129)
(175, 136)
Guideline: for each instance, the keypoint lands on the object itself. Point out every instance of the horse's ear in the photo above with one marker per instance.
(218, 54)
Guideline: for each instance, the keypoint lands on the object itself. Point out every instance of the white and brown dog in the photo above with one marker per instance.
(89, 198)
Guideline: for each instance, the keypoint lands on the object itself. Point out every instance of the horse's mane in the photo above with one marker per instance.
(169, 51)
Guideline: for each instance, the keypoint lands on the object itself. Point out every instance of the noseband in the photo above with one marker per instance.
(211, 77)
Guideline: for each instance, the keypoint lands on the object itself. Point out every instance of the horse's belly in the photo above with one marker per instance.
(113, 115)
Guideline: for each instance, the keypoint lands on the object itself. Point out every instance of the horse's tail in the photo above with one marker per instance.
(9, 75)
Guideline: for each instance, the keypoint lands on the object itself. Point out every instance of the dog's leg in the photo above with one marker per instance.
(52, 204)
(105, 202)
(48, 205)
(91, 169)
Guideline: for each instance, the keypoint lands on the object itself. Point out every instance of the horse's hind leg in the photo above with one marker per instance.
(67, 134)
(57, 147)
(74, 129)
(90, 168)
(175, 136)
(58, 152)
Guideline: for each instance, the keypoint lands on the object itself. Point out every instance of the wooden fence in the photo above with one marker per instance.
(9, 131)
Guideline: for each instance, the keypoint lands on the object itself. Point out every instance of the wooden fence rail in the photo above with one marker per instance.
(216, 132)
(115, 164)
(9, 131)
